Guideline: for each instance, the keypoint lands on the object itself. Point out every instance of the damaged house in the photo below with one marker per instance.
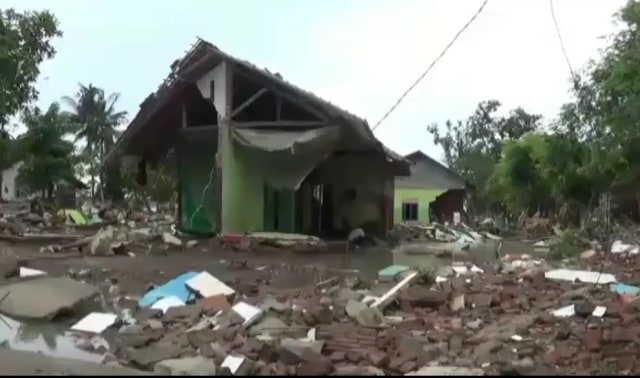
(256, 153)
(432, 192)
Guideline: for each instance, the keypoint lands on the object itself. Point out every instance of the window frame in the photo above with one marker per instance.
(410, 210)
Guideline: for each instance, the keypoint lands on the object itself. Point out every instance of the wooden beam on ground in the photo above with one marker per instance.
(281, 124)
(250, 101)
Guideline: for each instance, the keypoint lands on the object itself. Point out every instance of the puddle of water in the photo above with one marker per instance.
(51, 339)
(478, 254)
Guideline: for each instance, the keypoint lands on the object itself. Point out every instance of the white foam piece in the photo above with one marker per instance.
(208, 286)
(581, 275)
(95, 322)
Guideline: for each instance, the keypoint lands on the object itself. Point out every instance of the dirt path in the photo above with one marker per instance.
(135, 274)
(25, 363)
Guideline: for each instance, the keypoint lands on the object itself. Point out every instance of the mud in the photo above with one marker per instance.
(285, 274)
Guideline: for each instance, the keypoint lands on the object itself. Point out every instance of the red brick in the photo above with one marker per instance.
(565, 351)
(592, 339)
(314, 364)
(623, 334)
(552, 357)
(509, 292)
(338, 356)
(353, 356)
(408, 367)
(482, 300)
(378, 358)
(214, 304)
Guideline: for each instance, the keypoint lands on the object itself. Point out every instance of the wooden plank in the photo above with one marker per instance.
(283, 123)
(250, 101)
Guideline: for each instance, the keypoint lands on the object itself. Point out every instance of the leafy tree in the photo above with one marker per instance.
(47, 156)
(473, 147)
(606, 114)
(97, 117)
(25, 42)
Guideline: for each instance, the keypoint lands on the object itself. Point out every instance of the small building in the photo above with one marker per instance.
(432, 192)
(256, 153)
(10, 183)
(13, 188)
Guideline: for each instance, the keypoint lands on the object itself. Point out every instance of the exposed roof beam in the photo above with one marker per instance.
(250, 101)
(301, 124)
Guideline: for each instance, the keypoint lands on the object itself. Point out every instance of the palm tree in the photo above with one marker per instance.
(97, 119)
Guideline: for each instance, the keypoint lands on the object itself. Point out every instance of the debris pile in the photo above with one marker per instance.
(465, 319)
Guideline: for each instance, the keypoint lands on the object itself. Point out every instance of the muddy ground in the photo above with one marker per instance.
(495, 322)
(135, 275)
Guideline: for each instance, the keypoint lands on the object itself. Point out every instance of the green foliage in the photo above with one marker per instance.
(96, 118)
(568, 245)
(591, 149)
(47, 156)
(161, 181)
(473, 147)
(25, 42)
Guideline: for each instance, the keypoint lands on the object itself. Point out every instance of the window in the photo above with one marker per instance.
(410, 210)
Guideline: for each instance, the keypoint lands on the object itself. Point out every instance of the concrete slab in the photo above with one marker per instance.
(44, 297)
(15, 362)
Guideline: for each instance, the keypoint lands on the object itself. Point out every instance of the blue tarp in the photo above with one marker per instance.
(623, 289)
(177, 287)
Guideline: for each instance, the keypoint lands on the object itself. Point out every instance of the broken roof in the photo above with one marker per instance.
(204, 56)
(419, 155)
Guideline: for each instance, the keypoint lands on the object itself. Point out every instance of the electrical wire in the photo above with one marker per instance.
(605, 203)
(564, 50)
(455, 38)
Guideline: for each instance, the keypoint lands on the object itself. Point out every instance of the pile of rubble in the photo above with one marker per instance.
(516, 318)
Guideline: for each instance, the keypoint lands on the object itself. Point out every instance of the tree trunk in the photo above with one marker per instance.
(101, 172)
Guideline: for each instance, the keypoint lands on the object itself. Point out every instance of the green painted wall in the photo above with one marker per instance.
(197, 211)
(424, 198)
(242, 191)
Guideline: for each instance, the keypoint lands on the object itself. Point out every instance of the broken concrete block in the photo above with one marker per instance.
(457, 303)
(269, 326)
(192, 243)
(167, 238)
(272, 304)
(186, 366)
(43, 297)
(189, 313)
(237, 365)
(100, 244)
(155, 324)
(292, 350)
(419, 297)
(363, 314)
(147, 356)
(351, 370)
(250, 314)
(446, 370)
(314, 364)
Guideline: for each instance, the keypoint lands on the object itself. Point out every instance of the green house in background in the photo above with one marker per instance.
(432, 192)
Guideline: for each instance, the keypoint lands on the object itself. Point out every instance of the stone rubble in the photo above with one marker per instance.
(481, 323)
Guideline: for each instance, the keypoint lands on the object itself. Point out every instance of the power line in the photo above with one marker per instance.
(564, 50)
(604, 204)
(455, 38)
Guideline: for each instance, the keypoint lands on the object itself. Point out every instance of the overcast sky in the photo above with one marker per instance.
(359, 54)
